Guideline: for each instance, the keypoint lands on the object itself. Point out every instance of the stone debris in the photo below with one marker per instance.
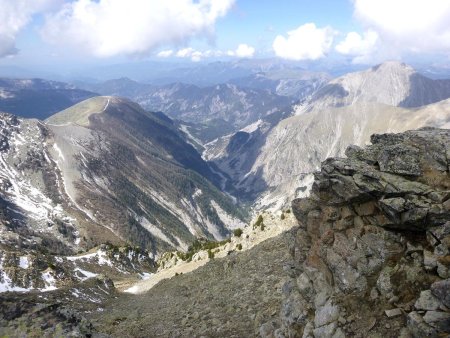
(393, 313)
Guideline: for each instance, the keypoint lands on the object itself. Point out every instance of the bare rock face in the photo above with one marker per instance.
(371, 254)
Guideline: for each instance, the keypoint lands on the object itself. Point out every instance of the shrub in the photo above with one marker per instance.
(288, 211)
(210, 254)
(259, 223)
(201, 244)
(237, 232)
(239, 246)
(282, 216)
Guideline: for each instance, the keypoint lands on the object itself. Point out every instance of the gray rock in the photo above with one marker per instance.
(400, 159)
(267, 330)
(418, 327)
(429, 260)
(308, 331)
(339, 333)
(441, 290)
(439, 320)
(384, 284)
(305, 285)
(393, 313)
(437, 234)
(442, 270)
(374, 294)
(427, 301)
(325, 331)
(393, 207)
(396, 184)
(326, 314)
(348, 279)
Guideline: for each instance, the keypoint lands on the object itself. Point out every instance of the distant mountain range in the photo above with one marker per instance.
(209, 112)
(269, 164)
(263, 132)
(38, 98)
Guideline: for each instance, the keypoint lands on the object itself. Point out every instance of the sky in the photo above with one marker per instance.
(69, 32)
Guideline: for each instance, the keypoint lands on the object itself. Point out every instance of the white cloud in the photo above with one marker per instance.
(405, 26)
(14, 16)
(191, 53)
(361, 47)
(307, 42)
(185, 53)
(244, 51)
(165, 53)
(112, 27)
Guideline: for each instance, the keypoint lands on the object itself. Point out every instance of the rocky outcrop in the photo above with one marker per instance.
(371, 253)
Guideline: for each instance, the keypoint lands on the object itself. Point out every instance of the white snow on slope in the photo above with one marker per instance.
(24, 263)
(85, 274)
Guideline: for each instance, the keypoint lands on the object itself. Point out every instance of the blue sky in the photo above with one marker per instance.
(60, 32)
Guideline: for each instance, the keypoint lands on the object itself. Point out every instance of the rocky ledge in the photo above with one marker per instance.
(371, 253)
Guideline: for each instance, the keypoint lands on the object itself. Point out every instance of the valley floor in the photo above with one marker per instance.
(228, 297)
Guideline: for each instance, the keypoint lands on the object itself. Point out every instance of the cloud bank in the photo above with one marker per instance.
(401, 26)
(242, 51)
(107, 28)
(307, 42)
(361, 47)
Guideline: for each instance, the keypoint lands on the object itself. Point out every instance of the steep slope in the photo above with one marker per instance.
(106, 170)
(38, 98)
(270, 164)
(227, 297)
(300, 143)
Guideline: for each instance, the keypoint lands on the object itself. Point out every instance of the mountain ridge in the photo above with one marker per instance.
(121, 168)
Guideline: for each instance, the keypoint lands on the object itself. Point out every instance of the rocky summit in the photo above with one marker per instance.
(370, 257)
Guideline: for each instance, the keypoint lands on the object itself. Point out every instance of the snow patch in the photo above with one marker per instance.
(49, 281)
(145, 275)
(6, 284)
(85, 274)
(60, 154)
(197, 193)
(252, 127)
(24, 263)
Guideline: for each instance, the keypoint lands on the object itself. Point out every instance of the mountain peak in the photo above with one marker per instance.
(392, 83)
(393, 66)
